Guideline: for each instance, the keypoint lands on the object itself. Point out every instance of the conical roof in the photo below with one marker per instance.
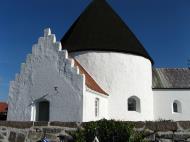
(99, 28)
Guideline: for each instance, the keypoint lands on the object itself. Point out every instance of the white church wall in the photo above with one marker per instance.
(49, 75)
(89, 106)
(163, 104)
(121, 75)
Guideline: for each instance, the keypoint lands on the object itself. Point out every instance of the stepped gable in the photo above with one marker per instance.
(99, 28)
(171, 78)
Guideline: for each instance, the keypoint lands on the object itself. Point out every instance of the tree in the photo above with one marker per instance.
(108, 131)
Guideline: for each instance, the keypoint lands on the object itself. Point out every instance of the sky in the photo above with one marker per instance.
(162, 26)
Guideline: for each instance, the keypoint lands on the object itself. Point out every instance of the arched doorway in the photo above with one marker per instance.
(42, 111)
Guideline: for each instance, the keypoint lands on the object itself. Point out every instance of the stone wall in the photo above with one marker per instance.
(33, 131)
(165, 131)
(161, 131)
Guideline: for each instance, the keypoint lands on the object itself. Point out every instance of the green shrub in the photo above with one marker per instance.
(107, 131)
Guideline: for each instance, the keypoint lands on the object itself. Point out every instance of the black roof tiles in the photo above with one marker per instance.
(99, 28)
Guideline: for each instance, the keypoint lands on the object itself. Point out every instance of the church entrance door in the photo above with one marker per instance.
(43, 111)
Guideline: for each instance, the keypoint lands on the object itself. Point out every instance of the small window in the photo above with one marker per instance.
(177, 106)
(97, 103)
(134, 104)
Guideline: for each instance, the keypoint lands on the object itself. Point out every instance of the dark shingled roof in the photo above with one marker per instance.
(176, 78)
(99, 28)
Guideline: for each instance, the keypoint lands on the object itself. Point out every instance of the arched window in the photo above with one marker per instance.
(177, 106)
(97, 105)
(134, 104)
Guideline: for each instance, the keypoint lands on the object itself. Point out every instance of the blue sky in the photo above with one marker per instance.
(162, 26)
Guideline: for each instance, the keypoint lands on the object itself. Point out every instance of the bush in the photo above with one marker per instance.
(107, 131)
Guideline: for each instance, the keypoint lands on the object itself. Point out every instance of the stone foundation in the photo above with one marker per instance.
(161, 131)
(33, 131)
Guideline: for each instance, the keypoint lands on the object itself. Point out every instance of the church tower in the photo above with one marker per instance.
(107, 49)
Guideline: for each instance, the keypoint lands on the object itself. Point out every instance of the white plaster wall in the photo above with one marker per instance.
(89, 106)
(46, 68)
(121, 75)
(163, 101)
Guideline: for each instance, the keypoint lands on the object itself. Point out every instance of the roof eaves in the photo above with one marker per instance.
(90, 82)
